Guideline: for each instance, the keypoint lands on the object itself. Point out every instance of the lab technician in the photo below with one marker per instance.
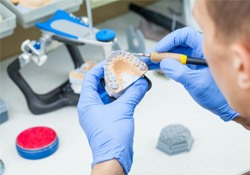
(225, 44)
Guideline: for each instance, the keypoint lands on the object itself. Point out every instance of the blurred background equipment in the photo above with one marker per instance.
(3, 112)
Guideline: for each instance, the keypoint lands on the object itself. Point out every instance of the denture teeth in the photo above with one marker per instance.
(114, 54)
(136, 61)
(112, 78)
(107, 73)
(106, 63)
(142, 66)
(114, 85)
(128, 56)
(106, 68)
(110, 58)
(123, 53)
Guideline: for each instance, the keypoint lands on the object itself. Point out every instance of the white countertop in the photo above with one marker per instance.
(219, 148)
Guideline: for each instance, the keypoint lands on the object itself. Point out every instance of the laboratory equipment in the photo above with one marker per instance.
(27, 17)
(3, 112)
(7, 22)
(69, 30)
(156, 18)
(135, 40)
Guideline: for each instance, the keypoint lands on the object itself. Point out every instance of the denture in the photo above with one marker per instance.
(121, 69)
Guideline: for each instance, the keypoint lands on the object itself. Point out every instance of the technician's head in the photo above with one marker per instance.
(226, 27)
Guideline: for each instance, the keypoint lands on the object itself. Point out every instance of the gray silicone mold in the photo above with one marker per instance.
(175, 139)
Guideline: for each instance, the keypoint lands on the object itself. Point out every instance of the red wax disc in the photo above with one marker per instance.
(36, 138)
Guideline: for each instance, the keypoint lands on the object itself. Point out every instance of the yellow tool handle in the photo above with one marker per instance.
(158, 57)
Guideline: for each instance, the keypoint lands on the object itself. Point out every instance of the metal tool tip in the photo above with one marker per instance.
(140, 54)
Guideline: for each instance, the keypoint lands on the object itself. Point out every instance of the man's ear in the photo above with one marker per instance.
(241, 63)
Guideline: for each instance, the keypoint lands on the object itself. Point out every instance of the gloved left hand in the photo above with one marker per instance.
(109, 127)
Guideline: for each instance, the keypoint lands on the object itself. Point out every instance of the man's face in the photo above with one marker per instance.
(217, 54)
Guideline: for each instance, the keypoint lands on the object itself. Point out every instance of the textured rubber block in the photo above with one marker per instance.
(37, 142)
(175, 139)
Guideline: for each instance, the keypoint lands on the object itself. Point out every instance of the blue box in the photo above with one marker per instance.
(3, 112)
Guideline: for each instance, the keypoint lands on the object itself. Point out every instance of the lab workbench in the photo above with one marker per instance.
(219, 148)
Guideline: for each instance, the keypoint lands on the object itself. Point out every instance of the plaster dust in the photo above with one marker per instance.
(128, 78)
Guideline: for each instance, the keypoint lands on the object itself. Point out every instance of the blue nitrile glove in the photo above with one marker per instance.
(109, 127)
(197, 80)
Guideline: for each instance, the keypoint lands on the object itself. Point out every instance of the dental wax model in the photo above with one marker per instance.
(32, 3)
(121, 69)
(175, 139)
(76, 76)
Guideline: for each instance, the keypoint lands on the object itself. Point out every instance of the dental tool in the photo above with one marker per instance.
(184, 59)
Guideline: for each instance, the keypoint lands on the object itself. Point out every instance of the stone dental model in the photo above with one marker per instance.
(121, 69)
(32, 3)
(76, 76)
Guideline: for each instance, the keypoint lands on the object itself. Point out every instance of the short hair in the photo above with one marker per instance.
(231, 18)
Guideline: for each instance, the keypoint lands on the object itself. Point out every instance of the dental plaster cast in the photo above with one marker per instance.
(122, 69)
(32, 3)
(76, 76)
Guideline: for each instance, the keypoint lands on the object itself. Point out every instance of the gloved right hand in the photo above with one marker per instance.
(197, 80)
